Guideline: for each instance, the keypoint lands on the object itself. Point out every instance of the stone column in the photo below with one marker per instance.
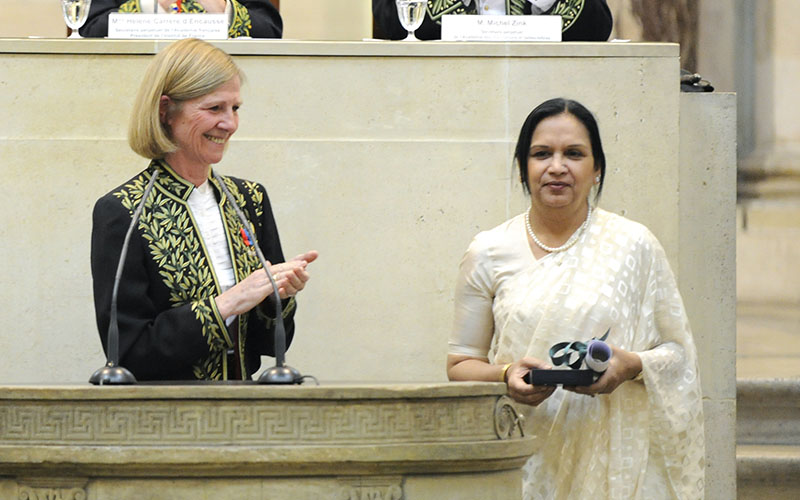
(765, 66)
(659, 21)
(772, 168)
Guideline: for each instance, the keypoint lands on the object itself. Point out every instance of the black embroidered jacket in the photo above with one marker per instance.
(583, 20)
(170, 328)
(251, 18)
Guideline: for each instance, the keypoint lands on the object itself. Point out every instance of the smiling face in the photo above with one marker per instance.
(201, 127)
(561, 167)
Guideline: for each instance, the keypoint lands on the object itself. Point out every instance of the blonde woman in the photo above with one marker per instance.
(193, 300)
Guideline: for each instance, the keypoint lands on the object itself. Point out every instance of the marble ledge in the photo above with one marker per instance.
(368, 48)
(251, 390)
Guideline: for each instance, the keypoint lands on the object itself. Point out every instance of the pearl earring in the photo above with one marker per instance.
(597, 179)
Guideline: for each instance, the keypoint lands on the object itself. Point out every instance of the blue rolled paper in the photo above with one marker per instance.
(598, 355)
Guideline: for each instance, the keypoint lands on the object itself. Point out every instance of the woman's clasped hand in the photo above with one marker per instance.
(290, 277)
(622, 367)
(521, 390)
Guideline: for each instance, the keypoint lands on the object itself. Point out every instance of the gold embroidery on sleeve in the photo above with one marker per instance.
(130, 6)
(241, 24)
(174, 245)
(569, 10)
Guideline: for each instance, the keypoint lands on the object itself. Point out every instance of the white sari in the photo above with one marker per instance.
(645, 440)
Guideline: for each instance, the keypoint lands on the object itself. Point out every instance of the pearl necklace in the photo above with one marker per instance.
(572, 239)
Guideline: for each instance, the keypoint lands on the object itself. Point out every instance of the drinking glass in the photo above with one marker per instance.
(75, 12)
(411, 14)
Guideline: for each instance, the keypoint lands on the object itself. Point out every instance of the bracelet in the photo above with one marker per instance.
(505, 372)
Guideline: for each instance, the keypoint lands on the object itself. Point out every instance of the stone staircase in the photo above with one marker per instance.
(768, 349)
(768, 438)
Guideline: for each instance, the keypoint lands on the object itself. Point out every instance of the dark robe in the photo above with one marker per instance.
(583, 20)
(169, 324)
(253, 18)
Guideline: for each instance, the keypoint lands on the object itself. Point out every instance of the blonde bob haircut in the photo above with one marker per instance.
(185, 70)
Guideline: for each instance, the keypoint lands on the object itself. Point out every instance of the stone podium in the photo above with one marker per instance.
(245, 441)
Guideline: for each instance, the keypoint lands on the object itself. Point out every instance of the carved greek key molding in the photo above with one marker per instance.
(246, 422)
(28, 493)
(372, 488)
(47, 488)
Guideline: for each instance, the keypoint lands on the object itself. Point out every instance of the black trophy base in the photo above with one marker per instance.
(281, 375)
(560, 377)
(112, 375)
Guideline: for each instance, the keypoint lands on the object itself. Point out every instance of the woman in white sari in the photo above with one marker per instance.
(565, 271)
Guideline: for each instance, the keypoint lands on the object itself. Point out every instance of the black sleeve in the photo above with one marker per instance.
(385, 14)
(594, 23)
(96, 25)
(156, 343)
(265, 19)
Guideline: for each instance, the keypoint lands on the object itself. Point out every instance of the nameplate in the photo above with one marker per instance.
(168, 26)
(473, 28)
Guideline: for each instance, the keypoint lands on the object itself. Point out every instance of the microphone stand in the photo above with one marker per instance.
(280, 373)
(112, 373)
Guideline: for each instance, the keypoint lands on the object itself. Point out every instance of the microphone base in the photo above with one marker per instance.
(112, 375)
(284, 375)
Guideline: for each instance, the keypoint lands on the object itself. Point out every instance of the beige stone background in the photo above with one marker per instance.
(744, 46)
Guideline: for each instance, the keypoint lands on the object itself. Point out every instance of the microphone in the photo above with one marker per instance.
(280, 373)
(112, 373)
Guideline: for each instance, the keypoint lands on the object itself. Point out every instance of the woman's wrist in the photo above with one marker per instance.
(504, 373)
(223, 306)
(635, 366)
